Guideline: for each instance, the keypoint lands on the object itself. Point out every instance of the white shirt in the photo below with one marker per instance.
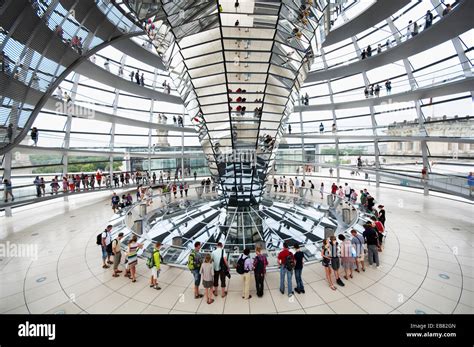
(107, 237)
(347, 190)
(216, 258)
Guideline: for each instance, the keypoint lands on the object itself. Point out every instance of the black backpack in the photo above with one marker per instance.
(240, 268)
(290, 262)
(99, 239)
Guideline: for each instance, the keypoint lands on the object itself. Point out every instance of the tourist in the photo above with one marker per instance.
(297, 185)
(115, 202)
(415, 29)
(372, 240)
(107, 64)
(447, 9)
(335, 259)
(379, 227)
(137, 77)
(7, 189)
(106, 247)
(219, 261)
(388, 87)
(470, 184)
(275, 184)
(260, 264)
(155, 269)
(34, 136)
(207, 274)
(321, 190)
(379, 48)
(299, 260)
(194, 265)
(286, 263)
(247, 266)
(321, 128)
(347, 256)
(117, 252)
(347, 191)
(132, 257)
(326, 262)
(369, 51)
(291, 184)
(428, 19)
(358, 244)
(409, 29)
(331, 171)
(381, 216)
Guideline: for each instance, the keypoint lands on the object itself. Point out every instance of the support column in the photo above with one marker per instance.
(182, 144)
(419, 113)
(150, 119)
(334, 118)
(302, 139)
(372, 111)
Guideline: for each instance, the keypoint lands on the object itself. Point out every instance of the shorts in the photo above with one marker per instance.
(117, 258)
(360, 257)
(104, 252)
(207, 284)
(197, 277)
(155, 272)
(335, 263)
(219, 274)
(326, 262)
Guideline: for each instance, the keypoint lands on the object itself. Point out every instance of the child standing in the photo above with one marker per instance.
(207, 272)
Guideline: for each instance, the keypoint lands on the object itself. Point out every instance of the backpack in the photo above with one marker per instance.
(240, 268)
(192, 263)
(150, 262)
(290, 262)
(99, 239)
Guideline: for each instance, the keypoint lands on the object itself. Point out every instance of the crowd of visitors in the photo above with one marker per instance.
(341, 255)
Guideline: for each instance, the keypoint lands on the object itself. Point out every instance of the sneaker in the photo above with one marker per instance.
(363, 269)
(291, 294)
(339, 282)
(157, 288)
(302, 291)
(298, 291)
(282, 291)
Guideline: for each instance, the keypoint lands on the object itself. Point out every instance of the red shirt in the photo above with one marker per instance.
(379, 226)
(282, 255)
(334, 189)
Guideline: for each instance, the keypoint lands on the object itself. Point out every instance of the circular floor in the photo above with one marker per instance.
(426, 267)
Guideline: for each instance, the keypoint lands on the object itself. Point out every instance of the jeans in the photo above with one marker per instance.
(373, 254)
(289, 274)
(299, 281)
(197, 277)
(259, 280)
(104, 252)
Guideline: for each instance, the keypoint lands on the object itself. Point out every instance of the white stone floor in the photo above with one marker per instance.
(426, 267)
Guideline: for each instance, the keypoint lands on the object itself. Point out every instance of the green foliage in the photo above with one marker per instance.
(87, 164)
